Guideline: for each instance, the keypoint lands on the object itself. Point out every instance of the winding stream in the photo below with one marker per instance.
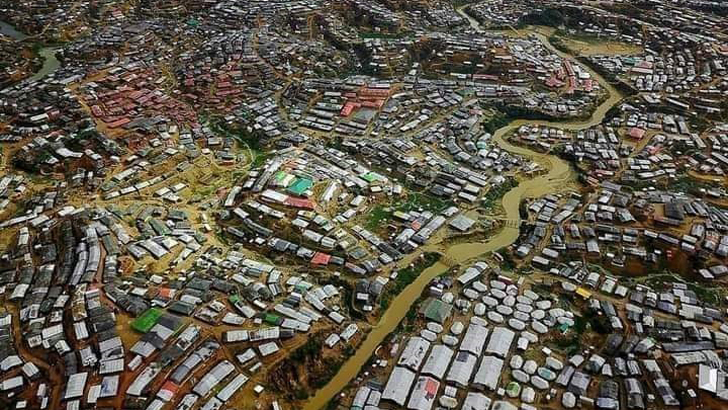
(559, 176)
(48, 54)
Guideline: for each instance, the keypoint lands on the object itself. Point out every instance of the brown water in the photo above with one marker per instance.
(50, 62)
(558, 177)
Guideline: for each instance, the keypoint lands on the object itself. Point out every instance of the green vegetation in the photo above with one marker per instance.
(406, 276)
(570, 339)
(549, 17)
(36, 46)
(688, 185)
(499, 120)
(259, 158)
(459, 3)
(569, 345)
(306, 369)
(559, 43)
(408, 323)
(709, 295)
(327, 367)
(347, 296)
(377, 216)
(300, 394)
(417, 200)
(495, 193)
(509, 264)
(381, 213)
(147, 320)
(521, 112)
(310, 349)
(250, 140)
(684, 183)
(372, 34)
(592, 321)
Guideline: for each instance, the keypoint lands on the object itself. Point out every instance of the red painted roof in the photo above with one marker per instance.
(636, 133)
(118, 123)
(299, 202)
(321, 258)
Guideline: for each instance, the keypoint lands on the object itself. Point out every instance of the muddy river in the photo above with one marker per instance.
(559, 176)
(48, 54)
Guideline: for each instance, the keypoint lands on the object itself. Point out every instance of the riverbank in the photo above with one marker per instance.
(559, 176)
(10, 31)
(48, 53)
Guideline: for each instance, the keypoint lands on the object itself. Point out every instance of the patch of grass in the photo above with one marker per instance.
(708, 296)
(417, 200)
(249, 139)
(377, 216)
(206, 191)
(259, 158)
(405, 277)
(712, 296)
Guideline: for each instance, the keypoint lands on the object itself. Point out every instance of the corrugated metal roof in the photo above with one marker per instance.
(93, 394)
(81, 330)
(438, 361)
(474, 339)
(11, 383)
(144, 378)
(109, 386)
(476, 401)
(231, 388)
(500, 341)
(398, 385)
(75, 386)
(489, 372)
(462, 368)
(213, 377)
(424, 393)
(110, 344)
(111, 366)
(414, 353)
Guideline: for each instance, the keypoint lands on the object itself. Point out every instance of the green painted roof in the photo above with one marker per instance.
(513, 388)
(147, 320)
(371, 177)
(300, 185)
(272, 319)
(280, 175)
(437, 310)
